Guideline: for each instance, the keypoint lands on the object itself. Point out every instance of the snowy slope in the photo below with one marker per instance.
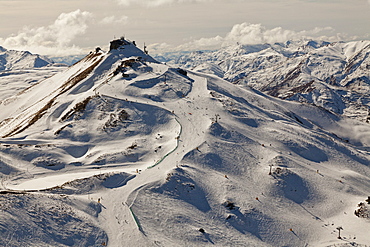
(121, 150)
(332, 75)
(21, 69)
(15, 81)
(11, 59)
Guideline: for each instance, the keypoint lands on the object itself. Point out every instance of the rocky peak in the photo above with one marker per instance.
(117, 43)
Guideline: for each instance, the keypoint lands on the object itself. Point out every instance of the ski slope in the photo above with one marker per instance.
(134, 152)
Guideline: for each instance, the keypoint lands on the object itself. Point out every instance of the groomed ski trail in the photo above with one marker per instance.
(194, 119)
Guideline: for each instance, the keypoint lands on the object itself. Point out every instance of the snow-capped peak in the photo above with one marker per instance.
(332, 75)
(12, 60)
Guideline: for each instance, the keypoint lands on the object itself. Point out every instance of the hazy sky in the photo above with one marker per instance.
(64, 27)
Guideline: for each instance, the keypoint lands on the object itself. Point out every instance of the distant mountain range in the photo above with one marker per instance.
(13, 60)
(68, 60)
(335, 76)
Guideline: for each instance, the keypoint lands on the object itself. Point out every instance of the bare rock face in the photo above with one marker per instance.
(115, 44)
(362, 211)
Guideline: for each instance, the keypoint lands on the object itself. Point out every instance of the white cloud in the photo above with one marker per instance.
(202, 44)
(155, 3)
(54, 39)
(246, 33)
(158, 48)
(114, 20)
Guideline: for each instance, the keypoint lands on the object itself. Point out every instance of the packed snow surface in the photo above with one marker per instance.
(120, 150)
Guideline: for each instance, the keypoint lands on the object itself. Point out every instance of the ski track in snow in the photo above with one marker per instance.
(191, 138)
(262, 132)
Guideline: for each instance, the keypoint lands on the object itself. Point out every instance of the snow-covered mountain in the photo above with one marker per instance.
(21, 69)
(331, 75)
(11, 59)
(120, 150)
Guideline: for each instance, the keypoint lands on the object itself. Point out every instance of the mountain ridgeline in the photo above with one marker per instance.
(13, 60)
(331, 75)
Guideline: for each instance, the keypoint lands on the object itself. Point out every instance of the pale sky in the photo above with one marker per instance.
(65, 27)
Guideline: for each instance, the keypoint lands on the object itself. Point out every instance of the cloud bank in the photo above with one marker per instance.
(156, 3)
(247, 33)
(54, 39)
(114, 20)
